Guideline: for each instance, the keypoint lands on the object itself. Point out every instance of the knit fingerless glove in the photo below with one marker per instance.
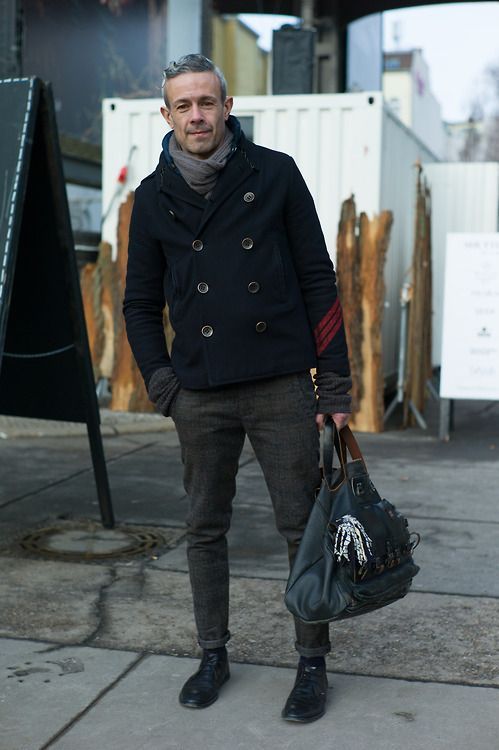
(332, 392)
(163, 388)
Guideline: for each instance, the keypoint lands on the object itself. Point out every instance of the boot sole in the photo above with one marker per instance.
(308, 720)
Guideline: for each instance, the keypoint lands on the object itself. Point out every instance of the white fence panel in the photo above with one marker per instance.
(465, 198)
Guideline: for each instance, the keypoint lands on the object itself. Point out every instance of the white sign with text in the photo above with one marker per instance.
(470, 337)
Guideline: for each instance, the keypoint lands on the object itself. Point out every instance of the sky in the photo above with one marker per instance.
(459, 41)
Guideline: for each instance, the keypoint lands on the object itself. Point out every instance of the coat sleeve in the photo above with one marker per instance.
(316, 276)
(144, 293)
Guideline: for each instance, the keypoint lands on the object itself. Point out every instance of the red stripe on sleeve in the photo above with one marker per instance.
(325, 341)
(328, 327)
(327, 318)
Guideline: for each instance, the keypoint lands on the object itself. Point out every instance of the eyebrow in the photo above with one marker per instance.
(187, 100)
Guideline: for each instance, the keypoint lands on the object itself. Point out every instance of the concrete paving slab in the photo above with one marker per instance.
(439, 489)
(142, 713)
(145, 481)
(42, 689)
(424, 636)
(55, 601)
(457, 557)
(26, 465)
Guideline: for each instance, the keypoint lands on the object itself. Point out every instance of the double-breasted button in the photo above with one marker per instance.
(261, 326)
(172, 213)
(197, 245)
(207, 331)
(249, 197)
(247, 243)
(203, 287)
(253, 287)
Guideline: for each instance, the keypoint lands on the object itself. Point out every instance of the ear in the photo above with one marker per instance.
(167, 116)
(228, 104)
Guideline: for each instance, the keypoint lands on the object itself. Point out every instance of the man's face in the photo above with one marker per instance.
(196, 112)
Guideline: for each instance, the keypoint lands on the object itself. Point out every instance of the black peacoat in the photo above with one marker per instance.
(246, 274)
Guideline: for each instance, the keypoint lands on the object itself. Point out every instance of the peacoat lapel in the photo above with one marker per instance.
(236, 171)
(172, 183)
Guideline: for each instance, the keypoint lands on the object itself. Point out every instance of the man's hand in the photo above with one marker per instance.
(340, 420)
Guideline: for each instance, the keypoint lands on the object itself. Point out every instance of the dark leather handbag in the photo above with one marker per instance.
(356, 552)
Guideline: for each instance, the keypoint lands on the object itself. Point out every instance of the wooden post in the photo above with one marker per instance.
(360, 264)
(419, 341)
(127, 386)
(100, 286)
(349, 290)
(373, 240)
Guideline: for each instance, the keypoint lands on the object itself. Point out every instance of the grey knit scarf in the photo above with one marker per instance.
(201, 174)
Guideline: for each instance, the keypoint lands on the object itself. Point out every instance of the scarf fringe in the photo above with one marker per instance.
(350, 531)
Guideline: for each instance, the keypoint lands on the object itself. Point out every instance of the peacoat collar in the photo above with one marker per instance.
(241, 164)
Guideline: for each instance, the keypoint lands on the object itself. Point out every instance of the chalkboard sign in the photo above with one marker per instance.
(45, 365)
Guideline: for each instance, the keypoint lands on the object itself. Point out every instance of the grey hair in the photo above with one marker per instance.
(193, 64)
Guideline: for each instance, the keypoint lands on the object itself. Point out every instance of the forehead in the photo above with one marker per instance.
(193, 86)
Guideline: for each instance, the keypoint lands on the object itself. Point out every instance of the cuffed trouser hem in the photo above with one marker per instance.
(317, 651)
(214, 644)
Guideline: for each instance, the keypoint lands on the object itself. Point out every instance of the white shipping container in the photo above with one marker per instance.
(344, 144)
(465, 198)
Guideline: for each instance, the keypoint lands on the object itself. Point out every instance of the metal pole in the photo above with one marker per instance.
(405, 298)
(405, 295)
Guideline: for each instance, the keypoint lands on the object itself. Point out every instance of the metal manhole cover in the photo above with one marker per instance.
(86, 542)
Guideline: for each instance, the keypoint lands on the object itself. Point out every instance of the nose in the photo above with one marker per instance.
(196, 114)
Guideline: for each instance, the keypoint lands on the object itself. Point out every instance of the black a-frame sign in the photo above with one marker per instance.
(45, 365)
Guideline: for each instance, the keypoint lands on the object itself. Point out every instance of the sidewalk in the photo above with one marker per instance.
(93, 653)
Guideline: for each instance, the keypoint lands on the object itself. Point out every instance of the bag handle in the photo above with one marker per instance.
(348, 440)
(338, 442)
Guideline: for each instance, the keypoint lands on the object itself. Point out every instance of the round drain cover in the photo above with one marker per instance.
(91, 542)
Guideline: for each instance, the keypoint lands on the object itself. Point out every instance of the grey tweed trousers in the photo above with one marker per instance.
(278, 416)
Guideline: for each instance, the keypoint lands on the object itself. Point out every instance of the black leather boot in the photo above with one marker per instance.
(307, 700)
(201, 690)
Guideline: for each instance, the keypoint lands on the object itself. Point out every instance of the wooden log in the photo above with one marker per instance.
(95, 343)
(419, 338)
(349, 290)
(127, 387)
(98, 282)
(360, 266)
(373, 241)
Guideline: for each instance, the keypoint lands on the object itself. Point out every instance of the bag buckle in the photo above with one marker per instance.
(358, 487)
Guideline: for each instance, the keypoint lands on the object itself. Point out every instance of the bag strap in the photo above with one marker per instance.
(328, 440)
(338, 442)
(348, 439)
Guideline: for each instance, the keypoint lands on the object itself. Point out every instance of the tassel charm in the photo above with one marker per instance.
(351, 532)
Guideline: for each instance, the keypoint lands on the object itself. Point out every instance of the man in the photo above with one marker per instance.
(226, 232)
